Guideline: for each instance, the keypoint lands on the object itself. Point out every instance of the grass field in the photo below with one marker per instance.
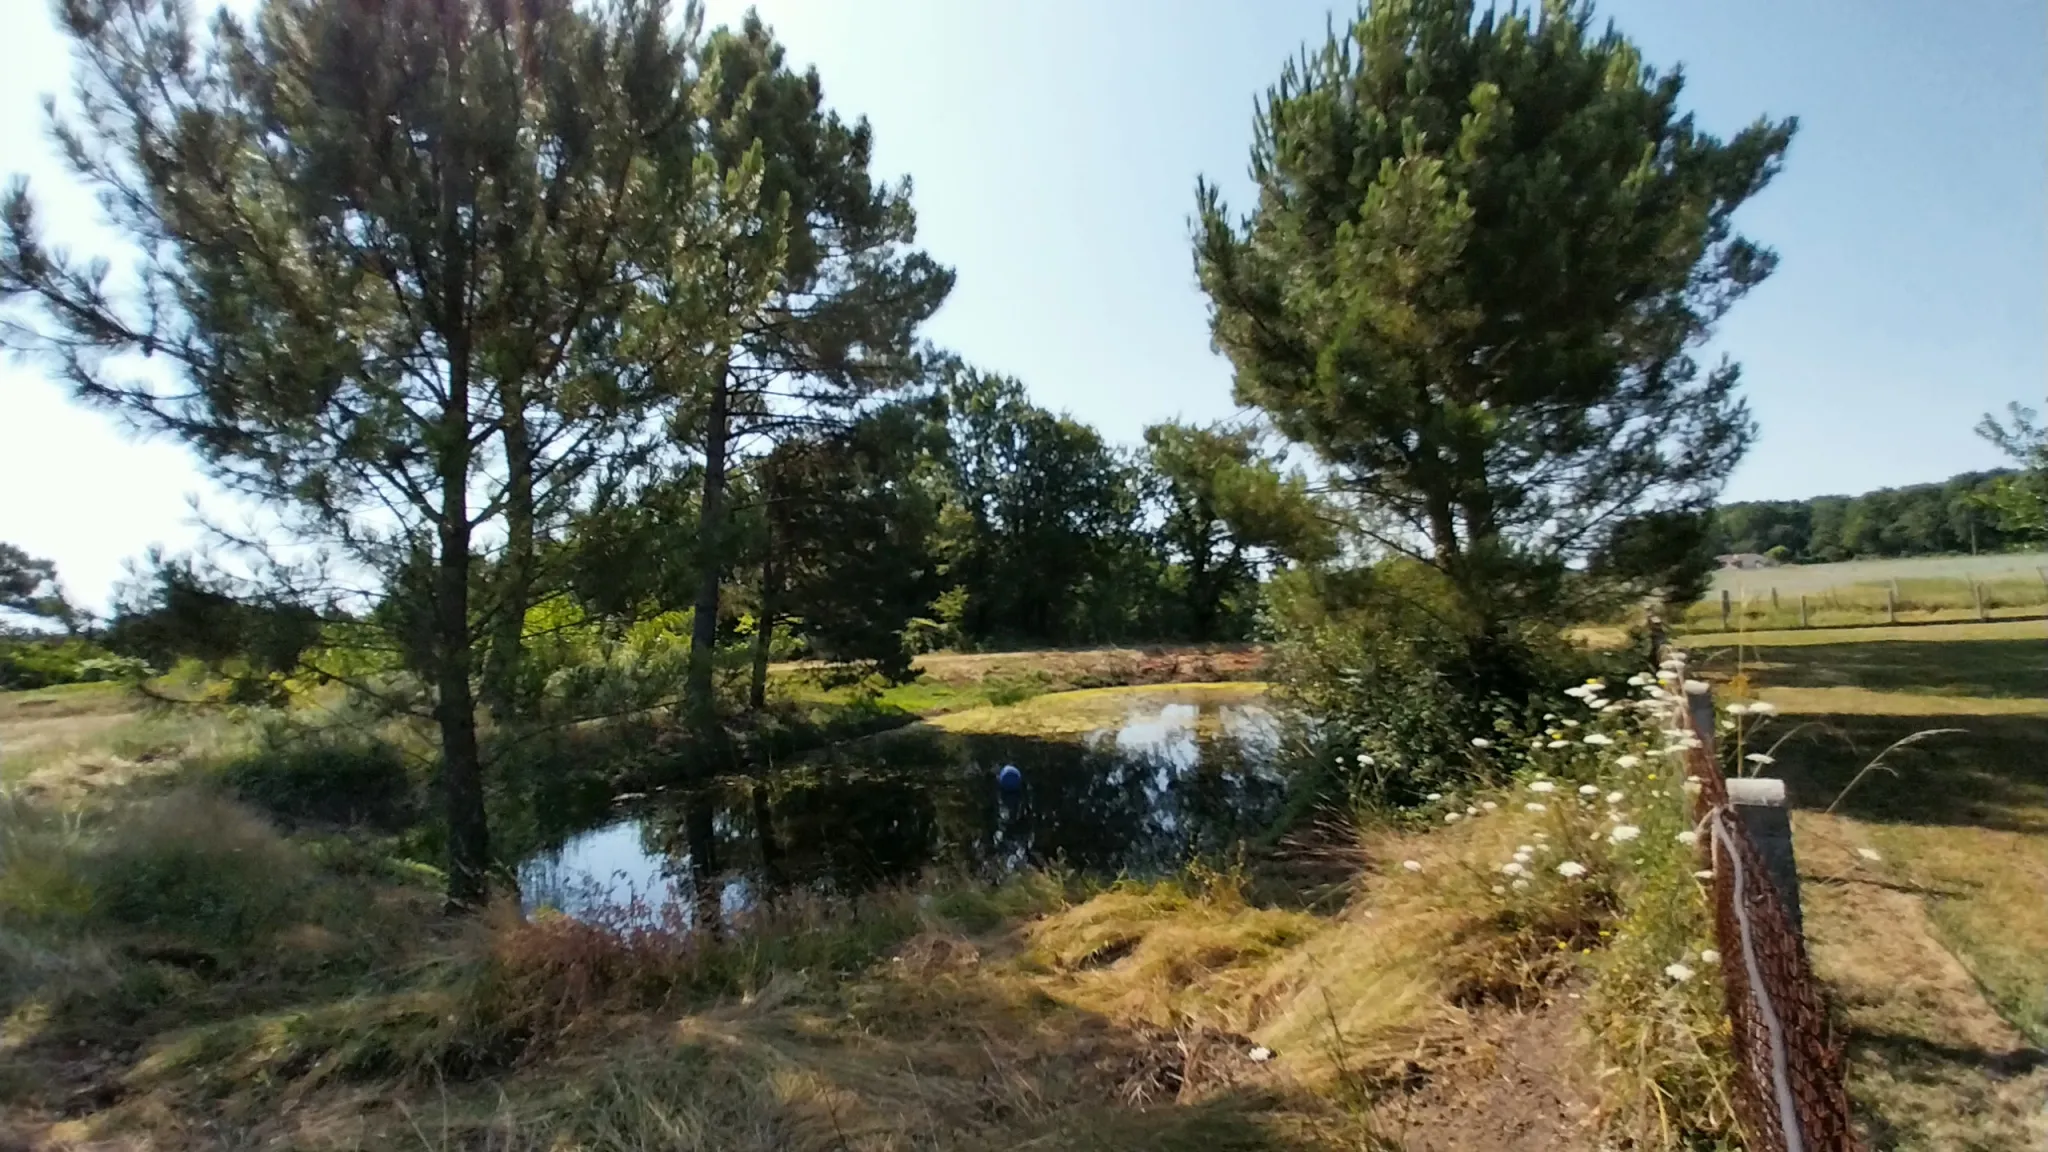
(1919, 589)
(1817, 578)
(1924, 888)
(180, 972)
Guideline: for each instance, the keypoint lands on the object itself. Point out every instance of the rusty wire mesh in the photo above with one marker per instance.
(1789, 1093)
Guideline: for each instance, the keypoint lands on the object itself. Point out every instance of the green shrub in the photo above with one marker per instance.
(1385, 680)
(47, 662)
(194, 866)
(325, 778)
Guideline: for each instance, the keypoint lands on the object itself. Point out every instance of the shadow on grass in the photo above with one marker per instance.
(1993, 668)
(1993, 774)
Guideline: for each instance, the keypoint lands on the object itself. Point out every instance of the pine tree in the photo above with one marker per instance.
(382, 275)
(1486, 248)
(826, 301)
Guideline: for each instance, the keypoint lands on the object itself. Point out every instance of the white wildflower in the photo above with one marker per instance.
(1598, 739)
(1542, 836)
(1434, 796)
(1412, 865)
(1471, 810)
(1678, 972)
(1499, 890)
(1523, 849)
(1488, 805)
(1550, 715)
(1761, 758)
(1541, 786)
(1453, 817)
(1624, 832)
(1481, 742)
(1513, 868)
(1579, 690)
(1259, 1055)
(1615, 706)
(1709, 956)
(1692, 785)
(1666, 676)
(1519, 885)
(1763, 708)
(1639, 679)
(1688, 837)
(1697, 687)
(1588, 790)
(1532, 806)
(1615, 797)
(1629, 761)
(1868, 853)
(1571, 869)
(1738, 709)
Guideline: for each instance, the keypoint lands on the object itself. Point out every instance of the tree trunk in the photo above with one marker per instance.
(764, 632)
(504, 665)
(764, 827)
(699, 691)
(700, 830)
(462, 773)
(469, 844)
(1203, 597)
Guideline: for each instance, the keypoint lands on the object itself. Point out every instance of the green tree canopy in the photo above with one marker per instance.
(1485, 251)
(383, 270)
(1228, 511)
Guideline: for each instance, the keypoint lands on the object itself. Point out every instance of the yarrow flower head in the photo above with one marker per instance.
(1535, 807)
(1588, 790)
(1412, 865)
(1571, 869)
(1709, 956)
(1365, 761)
(1678, 972)
(1541, 786)
(1481, 742)
(1629, 761)
(1453, 817)
(1624, 832)
(1688, 837)
(1434, 796)
(1488, 805)
(1763, 708)
(1738, 709)
(1598, 739)
(1615, 797)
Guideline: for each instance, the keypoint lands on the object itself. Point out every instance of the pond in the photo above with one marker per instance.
(1111, 781)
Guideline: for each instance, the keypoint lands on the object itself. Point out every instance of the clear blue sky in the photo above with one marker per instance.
(1055, 145)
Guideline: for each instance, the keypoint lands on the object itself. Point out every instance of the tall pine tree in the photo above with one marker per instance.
(1486, 250)
(381, 277)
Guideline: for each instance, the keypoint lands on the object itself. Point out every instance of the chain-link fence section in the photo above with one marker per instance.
(1789, 1093)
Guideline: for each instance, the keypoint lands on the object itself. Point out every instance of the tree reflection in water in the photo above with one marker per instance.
(1171, 783)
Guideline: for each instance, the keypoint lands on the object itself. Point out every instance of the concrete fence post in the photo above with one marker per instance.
(1802, 609)
(1759, 803)
(1724, 609)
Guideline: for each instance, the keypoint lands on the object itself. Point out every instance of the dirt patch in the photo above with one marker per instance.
(1516, 1079)
(1101, 667)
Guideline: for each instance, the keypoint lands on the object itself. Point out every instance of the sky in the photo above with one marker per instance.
(1054, 147)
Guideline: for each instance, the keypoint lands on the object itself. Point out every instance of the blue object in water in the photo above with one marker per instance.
(1010, 778)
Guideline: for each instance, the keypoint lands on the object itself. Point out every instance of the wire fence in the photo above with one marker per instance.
(1789, 1093)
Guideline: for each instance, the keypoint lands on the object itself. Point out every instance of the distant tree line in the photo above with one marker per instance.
(1958, 515)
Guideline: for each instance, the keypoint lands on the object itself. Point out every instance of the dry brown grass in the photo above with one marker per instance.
(1932, 1066)
(1090, 709)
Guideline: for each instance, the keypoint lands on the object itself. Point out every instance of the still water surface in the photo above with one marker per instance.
(1148, 779)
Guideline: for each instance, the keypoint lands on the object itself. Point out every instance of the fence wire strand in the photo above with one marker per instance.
(1789, 1093)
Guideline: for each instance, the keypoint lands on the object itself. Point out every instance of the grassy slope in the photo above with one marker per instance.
(1939, 946)
(176, 971)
